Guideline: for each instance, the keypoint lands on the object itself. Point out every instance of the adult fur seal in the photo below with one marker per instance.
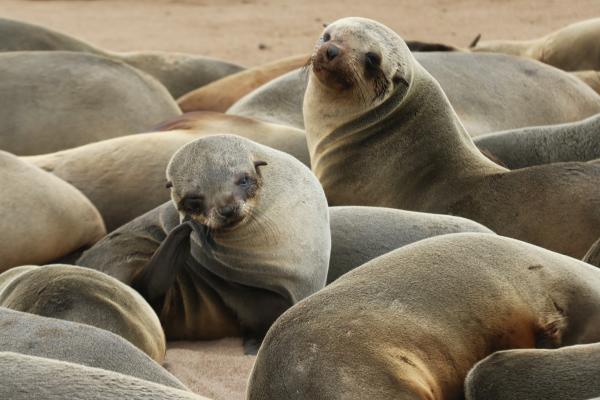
(78, 343)
(531, 93)
(360, 234)
(248, 237)
(56, 100)
(43, 217)
(572, 48)
(124, 177)
(593, 254)
(220, 95)
(535, 374)
(85, 296)
(381, 132)
(525, 147)
(27, 377)
(411, 323)
(178, 72)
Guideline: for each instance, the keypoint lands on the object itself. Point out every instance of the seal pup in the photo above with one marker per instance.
(83, 344)
(537, 374)
(572, 48)
(180, 73)
(27, 377)
(220, 95)
(124, 177)
(247, 236)
(56, 100)
(85, 296)
(43, 217)
(381, 132)
(531, 93)
(360, 234)
(411, 323)
(593, 254)
(526, 147)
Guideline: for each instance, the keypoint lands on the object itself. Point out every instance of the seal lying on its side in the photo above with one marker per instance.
(568, 373)
(531, 93)
(248, 237)
(62, 340)
(51, 101)
(85, 296)
(124, 177)
(360, 234)
(27, 377)
(381, 132)
(525, 147)
(178, 72)
(43, 217)
(411, 323)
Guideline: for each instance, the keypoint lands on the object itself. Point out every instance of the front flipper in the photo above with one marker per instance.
(155, 279)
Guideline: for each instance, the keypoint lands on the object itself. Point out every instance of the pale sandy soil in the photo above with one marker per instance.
(234, 29)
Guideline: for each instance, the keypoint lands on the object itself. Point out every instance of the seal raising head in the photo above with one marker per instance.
(224, 194)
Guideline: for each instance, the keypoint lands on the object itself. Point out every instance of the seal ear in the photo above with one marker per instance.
(259, 163)
(169, 185)
(399, 79)
(475, 41)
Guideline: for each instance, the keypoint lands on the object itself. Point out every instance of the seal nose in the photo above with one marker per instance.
(332, 52)
(194, 205)
(227, 211)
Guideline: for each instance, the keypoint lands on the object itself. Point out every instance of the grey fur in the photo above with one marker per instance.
(180, 73)
(56, 100)
(83, 344)
(34, 378)
(520, 148)
(411, 323)
(567, 373)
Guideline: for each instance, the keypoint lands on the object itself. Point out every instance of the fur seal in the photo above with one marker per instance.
(537, 374)
(124, 177)
(85, 296)
(220, 95)
(83, 344)
(360, 234)
(411, 323)
(381, 132)
(572, 48)
(180, 73)
(247, 236)
(593, 254)
(56, 100)
(591, 78)
(471, 83)
(525, 147)
(27, 377)
(43, 217)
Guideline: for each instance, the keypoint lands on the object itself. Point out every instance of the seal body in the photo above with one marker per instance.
(83, 344)
(392, 139)
(360, 234)
(471, 83)
(27, 377)
(238, 244)
(43, 217)
(536, 145)
(411, 323)
(85, 296)
(76, 98)
(178, 72)
(124, 177)
(220, 95)
(567, 373)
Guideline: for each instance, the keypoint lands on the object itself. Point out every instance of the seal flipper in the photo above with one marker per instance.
(155, 279)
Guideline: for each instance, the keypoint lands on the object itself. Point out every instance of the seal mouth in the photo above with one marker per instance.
(216, 221)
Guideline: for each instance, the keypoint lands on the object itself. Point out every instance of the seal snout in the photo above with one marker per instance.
(331, 67)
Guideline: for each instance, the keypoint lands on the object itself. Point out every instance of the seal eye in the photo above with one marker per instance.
(245, 181)
(326, 37)
(372, 60)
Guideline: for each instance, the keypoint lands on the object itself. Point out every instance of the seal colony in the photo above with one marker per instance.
(381, 132)
(247, 237)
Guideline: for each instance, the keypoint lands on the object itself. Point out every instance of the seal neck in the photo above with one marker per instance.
(413, 142)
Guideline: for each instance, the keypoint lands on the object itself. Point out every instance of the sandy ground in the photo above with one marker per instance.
(234, 29)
